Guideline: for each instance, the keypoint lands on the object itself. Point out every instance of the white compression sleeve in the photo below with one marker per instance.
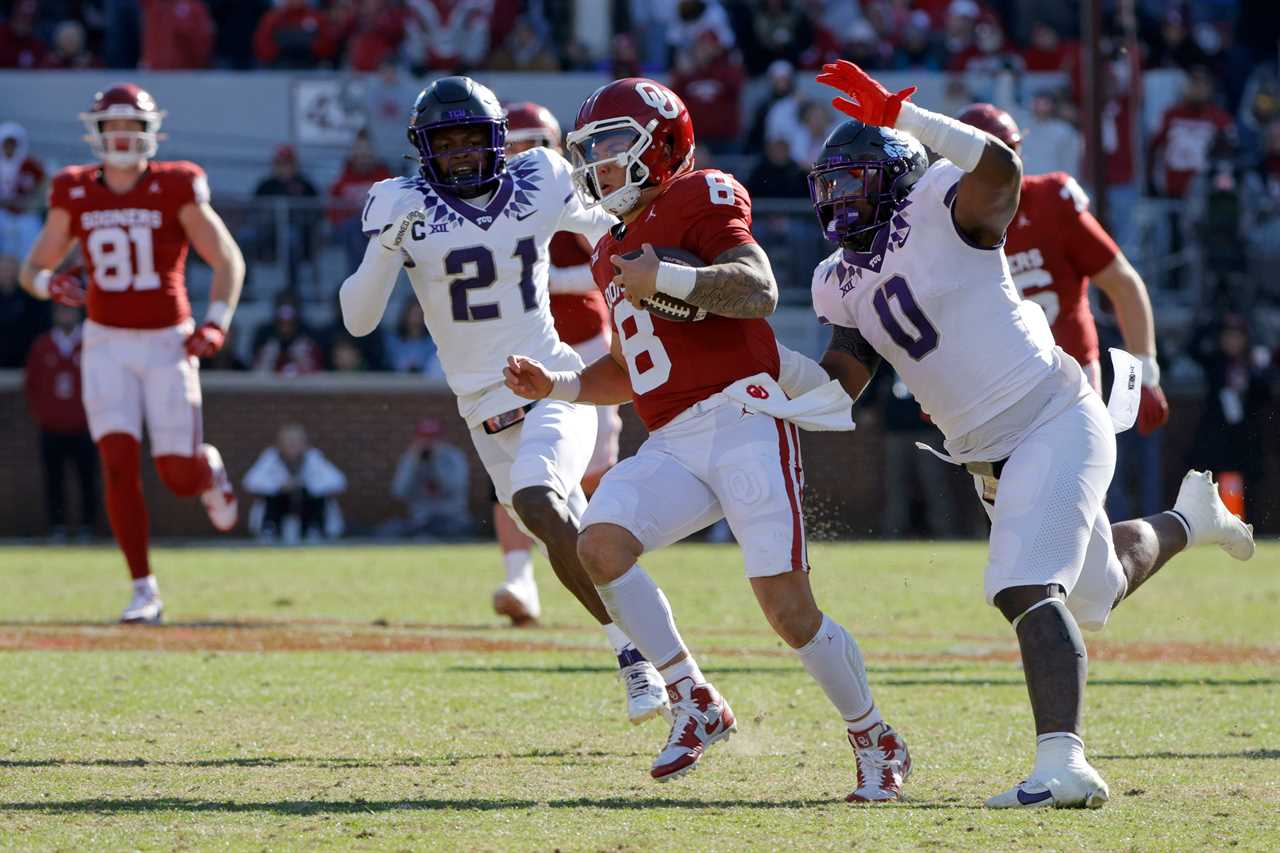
(958, 142)
(835, 662)
(575, 279)
(798, 374)
(364, 294)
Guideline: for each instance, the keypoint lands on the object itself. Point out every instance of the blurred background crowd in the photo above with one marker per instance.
(1189, 127)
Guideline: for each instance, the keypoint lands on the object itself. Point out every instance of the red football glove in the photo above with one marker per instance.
(206, 340)
(66, 289)
(1153, 410)
(872, 103)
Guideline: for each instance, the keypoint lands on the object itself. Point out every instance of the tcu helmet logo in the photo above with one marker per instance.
(758, 392)
(658, 98)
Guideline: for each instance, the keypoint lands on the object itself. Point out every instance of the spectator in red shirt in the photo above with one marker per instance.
(53, 397)
(69, 52)
(1046, 51)
(20, 47)
(21, 178)
(1180, 148)
(177, 35)
(293, 36)
(709, 80)
(362, 170)
(379, 29)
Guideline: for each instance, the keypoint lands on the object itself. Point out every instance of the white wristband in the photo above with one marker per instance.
(1150, 370)
(40, 284)
(219, 314)
(566, 385)
(676, 280)
(958, 142)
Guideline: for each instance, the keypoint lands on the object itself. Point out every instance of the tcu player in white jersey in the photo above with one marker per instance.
(472, 232)
(921, 280)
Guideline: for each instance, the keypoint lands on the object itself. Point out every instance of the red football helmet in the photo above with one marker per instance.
(994, 121)
(123, 147)
(638, 125)
(530, 122)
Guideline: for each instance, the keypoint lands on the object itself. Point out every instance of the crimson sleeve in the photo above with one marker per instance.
(190, 185)
(59, 188)
(720, 216)
(1088, 244)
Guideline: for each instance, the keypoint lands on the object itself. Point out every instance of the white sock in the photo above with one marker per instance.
(1054, 751)
(617, 638)
(146, 586)
(640, 609)
(835, 662)
(519, 566)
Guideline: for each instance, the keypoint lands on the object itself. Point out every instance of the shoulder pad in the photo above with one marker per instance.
(387, 200)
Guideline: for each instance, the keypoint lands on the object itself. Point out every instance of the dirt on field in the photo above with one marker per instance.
(336, 636)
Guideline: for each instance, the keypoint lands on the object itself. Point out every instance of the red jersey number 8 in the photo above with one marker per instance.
(113, 261)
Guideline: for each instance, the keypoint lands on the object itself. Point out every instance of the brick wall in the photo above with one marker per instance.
(363, 423)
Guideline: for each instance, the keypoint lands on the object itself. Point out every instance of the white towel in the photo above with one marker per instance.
(826, 408)
(1126, 390)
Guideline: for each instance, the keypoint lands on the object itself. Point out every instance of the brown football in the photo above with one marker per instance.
(664, 305)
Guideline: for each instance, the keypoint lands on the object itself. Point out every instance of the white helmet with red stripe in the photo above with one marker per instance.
(123, 147)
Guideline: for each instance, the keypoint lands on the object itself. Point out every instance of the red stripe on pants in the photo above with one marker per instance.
(797, 525)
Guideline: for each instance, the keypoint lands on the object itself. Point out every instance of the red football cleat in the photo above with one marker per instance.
(701, 717)
(883, 764)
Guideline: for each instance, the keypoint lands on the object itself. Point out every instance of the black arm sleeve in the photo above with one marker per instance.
(852, 342)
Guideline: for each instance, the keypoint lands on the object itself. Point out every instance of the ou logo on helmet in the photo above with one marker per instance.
(658, 98)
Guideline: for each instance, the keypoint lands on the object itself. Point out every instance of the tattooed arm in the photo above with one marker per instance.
(739, 284)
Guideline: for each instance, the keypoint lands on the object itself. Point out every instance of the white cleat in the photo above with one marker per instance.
(518, 601)
(1076, 786)
(219, 499)
(145, 608)
(646, 692)
(1209, 519)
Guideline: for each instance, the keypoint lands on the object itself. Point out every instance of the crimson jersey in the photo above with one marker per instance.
(675, 365)
(578, 316)
(1054, 245)
(133, 244)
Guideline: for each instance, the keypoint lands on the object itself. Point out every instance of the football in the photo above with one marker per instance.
(669, 307)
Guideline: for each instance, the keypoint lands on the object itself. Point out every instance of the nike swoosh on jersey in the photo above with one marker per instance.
(1031, 799)
(526, 216)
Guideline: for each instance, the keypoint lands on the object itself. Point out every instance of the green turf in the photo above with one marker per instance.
(529, 749)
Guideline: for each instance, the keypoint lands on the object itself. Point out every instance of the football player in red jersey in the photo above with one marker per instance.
(1055, 247)
(133, 218)
(707, 457)
(582, 322)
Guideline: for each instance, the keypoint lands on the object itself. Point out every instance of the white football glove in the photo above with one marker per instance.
(392, 236)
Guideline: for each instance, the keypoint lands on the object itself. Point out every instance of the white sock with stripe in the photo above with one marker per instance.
(640, 609)
(835, 662)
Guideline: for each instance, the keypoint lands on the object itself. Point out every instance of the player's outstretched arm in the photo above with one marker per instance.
(988, 194)
(364, 294)
(50, 249)
(850, 360)
(217, 248)
(1128, 293)
(604, 382)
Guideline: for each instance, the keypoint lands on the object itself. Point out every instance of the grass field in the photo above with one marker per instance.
(361, 698)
